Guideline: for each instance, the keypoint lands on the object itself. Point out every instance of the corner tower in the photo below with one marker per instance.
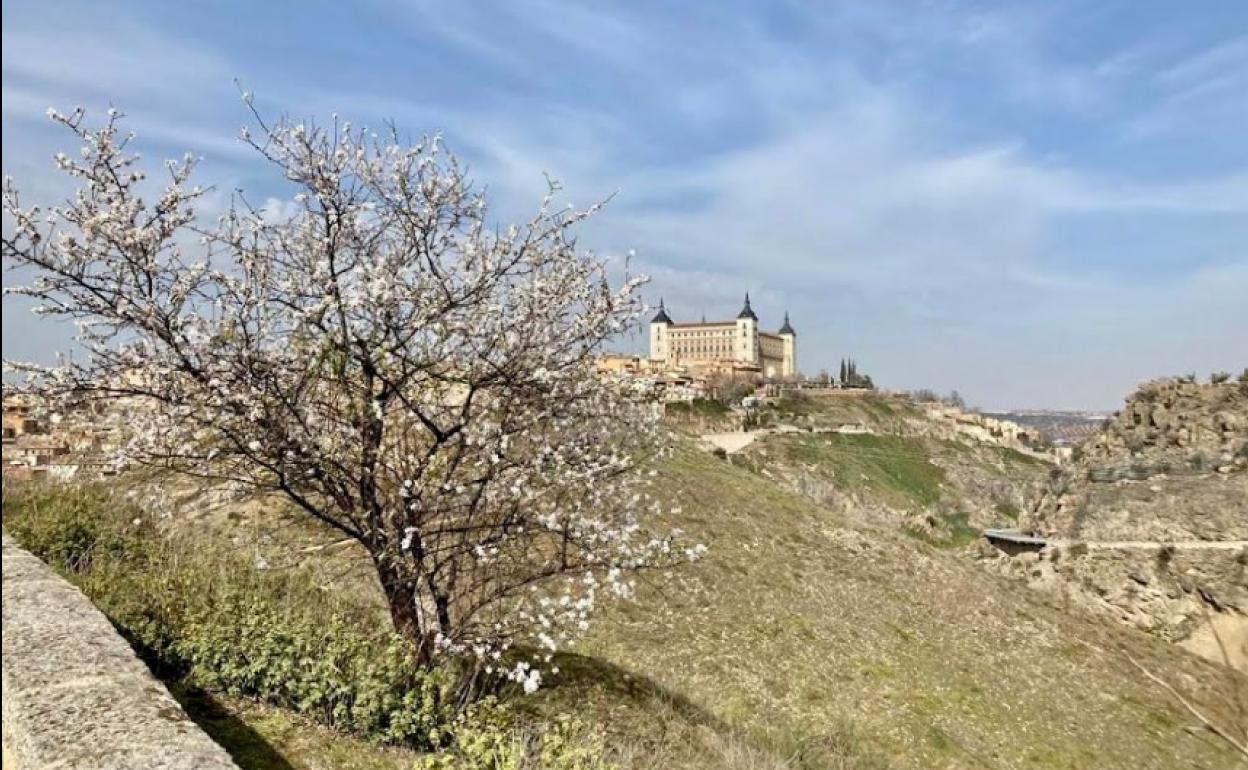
(659, 343)
(746, 344)
(789, 337)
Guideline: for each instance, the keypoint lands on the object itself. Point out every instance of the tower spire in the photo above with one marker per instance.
(747, 311)
(661, 317)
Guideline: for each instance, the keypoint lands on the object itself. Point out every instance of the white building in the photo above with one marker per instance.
(724, 345)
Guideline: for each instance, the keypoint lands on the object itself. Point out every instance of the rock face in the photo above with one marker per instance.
(1151, 514)
(1172, 465)
(1168, 591)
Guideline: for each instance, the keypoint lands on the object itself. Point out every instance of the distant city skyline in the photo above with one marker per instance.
(1039, 205)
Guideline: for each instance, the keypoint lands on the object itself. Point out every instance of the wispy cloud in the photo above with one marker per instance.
(1034, 204)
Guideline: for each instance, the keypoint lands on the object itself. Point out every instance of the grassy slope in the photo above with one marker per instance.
(809, 640)
(965, 487)
(894, 468)
(805, 639)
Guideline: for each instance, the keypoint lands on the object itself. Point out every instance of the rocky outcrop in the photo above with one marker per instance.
(75, 695)
(1171, 465)
(950, 422)
(1168, 480)
(1167, 590)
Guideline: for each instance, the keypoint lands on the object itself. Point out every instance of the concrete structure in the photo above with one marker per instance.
(1014, 542)
(75, 696)
(724, 346)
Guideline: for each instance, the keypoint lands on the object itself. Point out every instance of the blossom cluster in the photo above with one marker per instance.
(381, 353)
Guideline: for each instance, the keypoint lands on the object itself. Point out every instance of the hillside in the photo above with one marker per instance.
(806, 638)
(809, 638)
(934, 471)
(814, 635)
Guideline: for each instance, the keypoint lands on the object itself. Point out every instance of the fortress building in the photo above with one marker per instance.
(724, 345)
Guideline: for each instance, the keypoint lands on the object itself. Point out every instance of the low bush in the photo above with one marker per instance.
(702, 407)
(482, 744)
(946, 530)
(207, 615)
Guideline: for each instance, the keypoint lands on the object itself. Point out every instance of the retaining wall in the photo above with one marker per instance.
(75, 695)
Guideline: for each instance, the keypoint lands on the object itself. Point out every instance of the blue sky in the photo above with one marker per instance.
(1040, 204)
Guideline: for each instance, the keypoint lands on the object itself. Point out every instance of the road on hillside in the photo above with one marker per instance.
(1178, 545)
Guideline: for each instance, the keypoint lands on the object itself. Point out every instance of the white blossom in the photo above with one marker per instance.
(379, 351)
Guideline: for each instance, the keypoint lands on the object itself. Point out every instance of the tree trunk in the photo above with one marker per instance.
(406, 612)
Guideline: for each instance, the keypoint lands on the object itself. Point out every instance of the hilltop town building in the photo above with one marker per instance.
(724, 345)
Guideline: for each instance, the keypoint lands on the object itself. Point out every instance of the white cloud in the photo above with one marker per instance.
(834, 178)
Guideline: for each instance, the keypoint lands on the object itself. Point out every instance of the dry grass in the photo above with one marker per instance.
(812, 642)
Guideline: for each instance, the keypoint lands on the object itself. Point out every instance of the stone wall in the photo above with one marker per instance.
(75, 696)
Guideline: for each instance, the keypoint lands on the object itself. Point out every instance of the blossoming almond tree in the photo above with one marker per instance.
(382, 356)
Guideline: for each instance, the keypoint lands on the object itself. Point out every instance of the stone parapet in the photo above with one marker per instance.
(75, 695)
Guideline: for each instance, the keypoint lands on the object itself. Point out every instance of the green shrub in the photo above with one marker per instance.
(207, 615)
(485, 744)
(68, 534)
(1008, 510)
(369, 684)
(948, 530)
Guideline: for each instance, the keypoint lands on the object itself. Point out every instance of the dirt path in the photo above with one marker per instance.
(1132, 545)
(737, 440)
(731, 442)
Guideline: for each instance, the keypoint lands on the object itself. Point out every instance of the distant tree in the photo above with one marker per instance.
(729, 389)
(955, 399)
(383, 357)
(1217, 378)
(851, 377)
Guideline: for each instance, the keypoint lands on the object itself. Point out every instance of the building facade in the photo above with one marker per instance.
(727, 346)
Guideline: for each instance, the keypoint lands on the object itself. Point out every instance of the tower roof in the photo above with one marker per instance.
(747, 311)
(787, 328)
(661, 317)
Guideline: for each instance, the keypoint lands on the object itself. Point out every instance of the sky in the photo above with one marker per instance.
(1038, 204)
